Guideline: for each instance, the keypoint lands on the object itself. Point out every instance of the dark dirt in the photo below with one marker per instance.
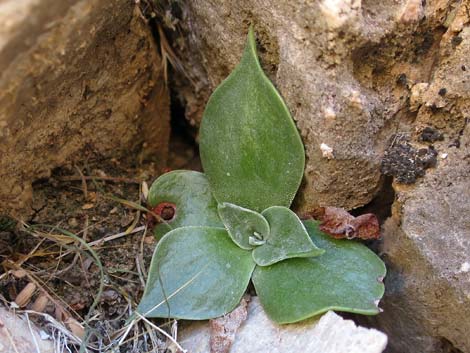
(405, 162)
(86, 209)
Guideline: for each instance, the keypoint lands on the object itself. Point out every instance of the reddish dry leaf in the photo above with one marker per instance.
(338, 223)
(224, 329)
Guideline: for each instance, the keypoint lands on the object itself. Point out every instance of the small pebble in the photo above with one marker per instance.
(72, 222)
(327, 151)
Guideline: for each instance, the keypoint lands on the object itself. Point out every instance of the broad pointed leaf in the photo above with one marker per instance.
(250, 148)
(247, 228)
(347, 277)
(189, 192)
(287, 239)
(196, 273)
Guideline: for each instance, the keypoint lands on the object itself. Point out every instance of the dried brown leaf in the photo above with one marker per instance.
(23, 297)
(19, 273)
(224, 329)
(40, 303)
(339, 224)
(75, 327)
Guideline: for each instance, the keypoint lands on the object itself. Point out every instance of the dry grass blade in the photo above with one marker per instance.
(57, 326)
(172, 339)
(116, 236)
(38, 350)
(100, 178)
(84, 184)
(168, 55)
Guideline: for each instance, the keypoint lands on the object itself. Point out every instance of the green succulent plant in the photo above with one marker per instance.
(233, 223)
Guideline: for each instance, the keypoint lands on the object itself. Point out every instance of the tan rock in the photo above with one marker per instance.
(76, 76)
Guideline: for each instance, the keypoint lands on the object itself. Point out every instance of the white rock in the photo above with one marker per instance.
(328, 334)
(17, 336)
(465, 267)
(326, 151)
(338, 12)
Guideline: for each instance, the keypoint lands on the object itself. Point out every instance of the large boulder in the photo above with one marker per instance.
(426, 244)
(345, 68)
(75, 77)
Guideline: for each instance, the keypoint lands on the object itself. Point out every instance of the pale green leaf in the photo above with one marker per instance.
(287, 238)
(190, 192)
(196, 273)
(247, 228)
(250, 148)
(347, 277)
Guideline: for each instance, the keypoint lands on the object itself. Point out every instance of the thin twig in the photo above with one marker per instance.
(115, 236)
(102, 178)
(161, 331)
(84, 185)
(38, 350)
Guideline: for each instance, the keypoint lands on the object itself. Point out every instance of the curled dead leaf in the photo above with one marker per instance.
(340, 224)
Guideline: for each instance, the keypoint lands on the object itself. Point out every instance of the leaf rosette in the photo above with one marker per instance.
(233, 224)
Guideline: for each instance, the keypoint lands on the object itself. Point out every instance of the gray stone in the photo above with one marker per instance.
(426, 245)
(327, 334)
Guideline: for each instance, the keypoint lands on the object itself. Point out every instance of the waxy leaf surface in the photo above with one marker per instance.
(250, 148)
(197, 273)
(190, 193)
(287, 238)
(246, 227)
(347, 277)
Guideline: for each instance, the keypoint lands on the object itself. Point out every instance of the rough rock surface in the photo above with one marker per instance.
(427, 247)
(16, 335)
(75, 76)
(346, 70)
(361, 77)
(328, 334)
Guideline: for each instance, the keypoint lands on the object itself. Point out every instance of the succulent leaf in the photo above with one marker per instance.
(347, 277)
(247, 228)
(250, 148)
(196, 273)
(189, 191)
(287, 239)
